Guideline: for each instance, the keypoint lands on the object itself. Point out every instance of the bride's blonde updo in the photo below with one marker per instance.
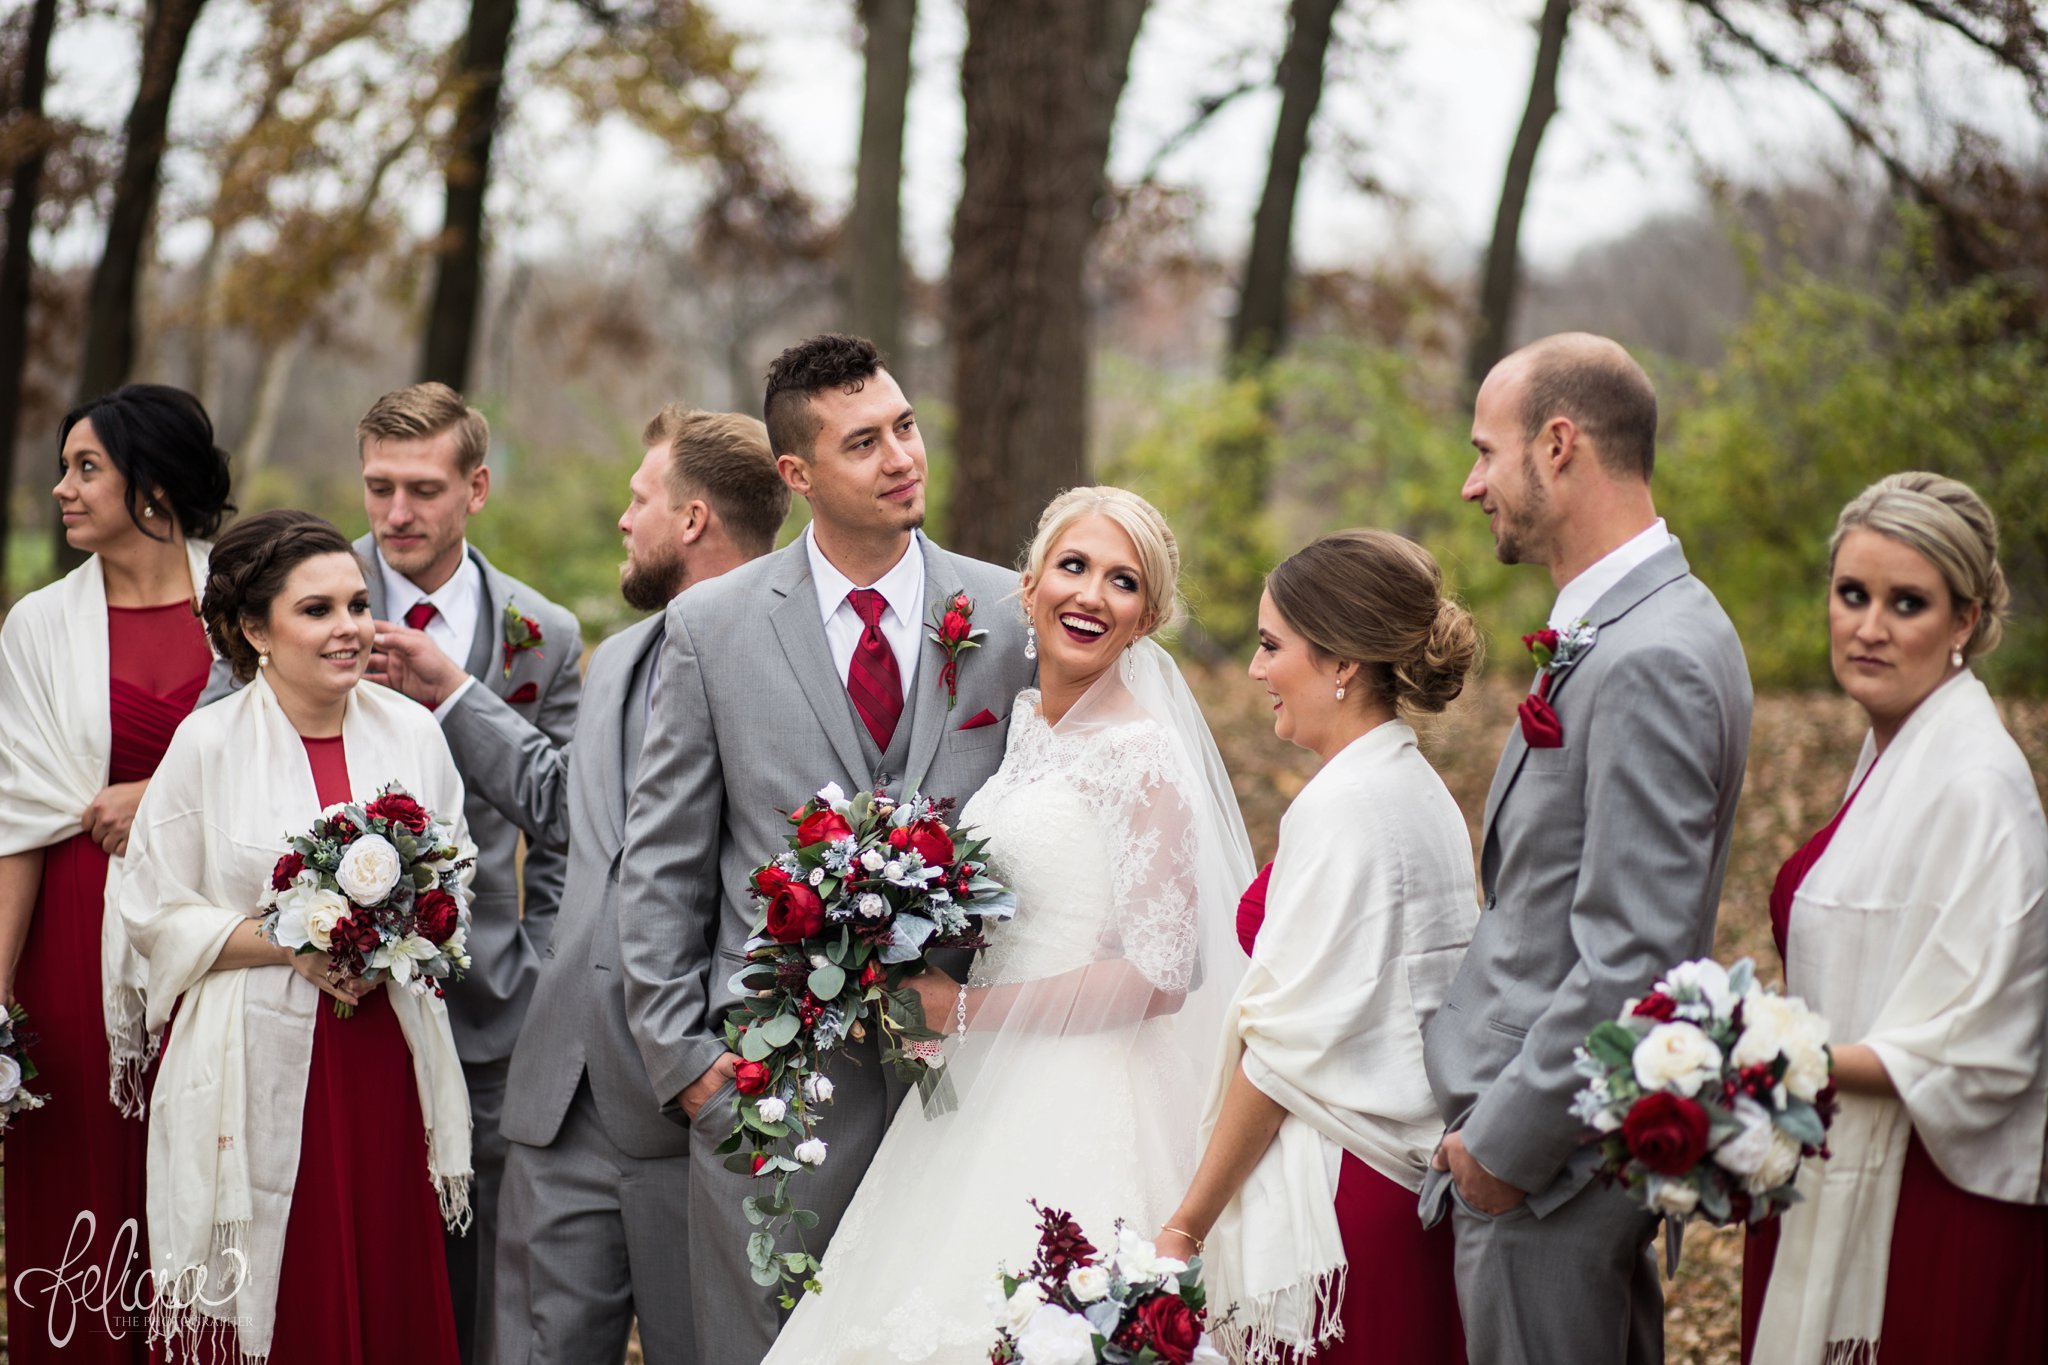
(1158, 552)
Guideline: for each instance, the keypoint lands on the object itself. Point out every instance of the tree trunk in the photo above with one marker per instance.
(874, 231)
(1041, 80)
(1499, 292)
(110, 316)
(24, 188)
(273, 383)
(459, 254)
(1259, 331)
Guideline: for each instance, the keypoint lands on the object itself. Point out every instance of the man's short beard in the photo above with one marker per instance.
(1521, 539)
(650, 586)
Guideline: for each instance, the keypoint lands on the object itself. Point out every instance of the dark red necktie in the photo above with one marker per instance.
(419, 613)
(871, 679)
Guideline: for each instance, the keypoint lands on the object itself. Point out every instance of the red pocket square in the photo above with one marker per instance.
(979, 719)
(1540, 727)
(524, 693)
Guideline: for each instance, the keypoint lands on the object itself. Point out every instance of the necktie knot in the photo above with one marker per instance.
(419, 613)
(868, 604)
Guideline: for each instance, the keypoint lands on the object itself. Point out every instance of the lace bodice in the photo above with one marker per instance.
(1094, 833)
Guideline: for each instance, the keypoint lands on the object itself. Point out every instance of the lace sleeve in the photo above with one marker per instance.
(1151, 830)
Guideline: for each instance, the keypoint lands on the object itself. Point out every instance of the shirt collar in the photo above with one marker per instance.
(401, 594)
(1576, 600)
(902, 587)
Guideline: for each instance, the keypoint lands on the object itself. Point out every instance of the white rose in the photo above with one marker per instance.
(1766, 1018)
(1744, 1152)
(871, 906)
(1704, 980)
(1139, 1260)
(1017, 1310)
(10, 1078)
(1675, 1197)
(1056, 1337)
(1677, 1057)
(872, 860)
(771, 1109)
(1779, 1166)
(1089, 1282)
(811, 1151)
(1806, 1052)
(818, 1089)
(369, 870)
(832, 795)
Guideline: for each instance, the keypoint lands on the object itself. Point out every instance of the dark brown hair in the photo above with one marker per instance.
(830, 360)
(161, 440)
(723, 458)
(249, 566)
(1377, 599)
(1599, 386)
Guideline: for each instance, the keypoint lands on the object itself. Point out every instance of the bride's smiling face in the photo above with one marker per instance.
(1091, 602)
(319, 629)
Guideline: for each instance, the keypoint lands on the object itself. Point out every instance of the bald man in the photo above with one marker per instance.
(1605, 842)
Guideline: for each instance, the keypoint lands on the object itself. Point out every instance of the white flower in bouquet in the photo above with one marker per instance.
(870, 905)
(771, 1109)
(1745, 1151)
(1089, 1282)
(1766, 1020)
(369, 870)
(811, 1151)
(872, 860)
(1594, 1105)
(1675, 1197)
(404, 958)
(1138, 1260)
(1705, 982)
(10, 1078)
(1207, 1354)
(1677, 1057)
(291, 929)
(324, 910)
(1056, 1337)
(834, 796)
(818, 1089)
(457, 946)
(1778, 1167)
(1015, 1311)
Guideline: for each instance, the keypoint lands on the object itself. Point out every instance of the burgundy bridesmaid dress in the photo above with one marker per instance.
(75, 1238)
(1968, 1279)
(1401, 1292)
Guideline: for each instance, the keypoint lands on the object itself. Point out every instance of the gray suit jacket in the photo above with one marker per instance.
(1601, 867)
(486, 1006)
(750, 719)
(574, 794)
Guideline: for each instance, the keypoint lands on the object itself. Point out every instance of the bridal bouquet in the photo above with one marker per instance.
(1077, 1306)
(868, 886)
(16, 1070)
(378, 888)
(1708, 1092)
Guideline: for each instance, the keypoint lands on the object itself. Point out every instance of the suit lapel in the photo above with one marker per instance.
(928, 709)
(373, 565)
(606, 697)
(483, 660)
(802, 636)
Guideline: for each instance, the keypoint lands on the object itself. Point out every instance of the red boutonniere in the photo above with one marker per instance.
(1554, 652)
(952, 629)
(521, 633)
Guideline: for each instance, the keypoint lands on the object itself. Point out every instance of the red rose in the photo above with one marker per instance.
(960, 602)
(932, 843)
(770, 879)
(401, 810)
(760, 1160)
(871, 975)
(795, 914)
(1666, 1132)
(751, 1078)
(533, 639)
(899, 838)
(288, 867)
(1542, 639)
(1656, 1005)
(823, 827)
(435, 914)
(352, 936)
(1166, 1324)
(953, 628)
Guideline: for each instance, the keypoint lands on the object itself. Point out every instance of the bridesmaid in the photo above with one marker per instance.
(96, 671)
(1915, 922)
(296, 1159)
(1353, 943)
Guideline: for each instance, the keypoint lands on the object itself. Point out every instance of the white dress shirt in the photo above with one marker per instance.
(455, 604)
(1576, 600)
(902, 620)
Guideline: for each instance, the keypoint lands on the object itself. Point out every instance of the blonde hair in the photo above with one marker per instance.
(419, 411)
(1158, 551)
(1946, 522)
(1377, 599)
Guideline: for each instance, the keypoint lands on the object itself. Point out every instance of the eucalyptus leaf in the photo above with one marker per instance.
(778, 1032)
(826, 982)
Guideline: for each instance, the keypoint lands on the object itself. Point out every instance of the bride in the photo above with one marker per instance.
(1089, 1018)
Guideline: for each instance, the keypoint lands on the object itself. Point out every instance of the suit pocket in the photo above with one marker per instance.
(1516, 1031)
(974, 741)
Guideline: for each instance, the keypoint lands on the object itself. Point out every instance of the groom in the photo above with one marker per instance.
(1606, 839)
(808, 666)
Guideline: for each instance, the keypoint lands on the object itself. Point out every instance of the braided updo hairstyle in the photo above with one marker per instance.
(249, 566)
(1378, 599)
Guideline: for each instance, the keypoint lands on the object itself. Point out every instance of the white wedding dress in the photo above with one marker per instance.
(1124, 860)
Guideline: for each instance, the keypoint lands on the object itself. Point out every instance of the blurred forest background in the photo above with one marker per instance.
(291, 206)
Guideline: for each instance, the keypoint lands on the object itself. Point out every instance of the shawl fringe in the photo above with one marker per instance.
(1253, 1334)
(453, 1192)
(1850, 1353)
(178, 1316)
(130, 1054)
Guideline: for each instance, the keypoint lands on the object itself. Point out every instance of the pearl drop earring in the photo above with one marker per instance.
(1955, 657)
(263, 661)
(1340, 691)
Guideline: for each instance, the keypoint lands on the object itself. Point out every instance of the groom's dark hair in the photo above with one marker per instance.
(830, 360)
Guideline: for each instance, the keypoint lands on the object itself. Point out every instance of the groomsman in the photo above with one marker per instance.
(1605, 841)
(595, 1205)
(422, 452)
(808, 666)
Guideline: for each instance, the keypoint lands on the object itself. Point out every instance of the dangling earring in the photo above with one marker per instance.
(263, 661)
(1030, 641)
(1955, 657)
(1340, 691)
